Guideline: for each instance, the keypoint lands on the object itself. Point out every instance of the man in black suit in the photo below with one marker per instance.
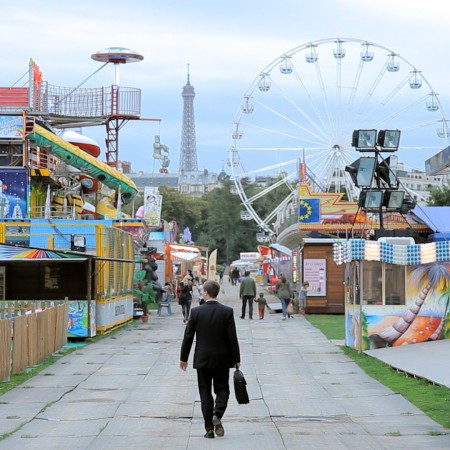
(216, 351)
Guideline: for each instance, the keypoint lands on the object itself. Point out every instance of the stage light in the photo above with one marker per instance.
(371, 200)
(362, 171)
(78, 243)
(393, 200)
(389, 139)
(408, 204)
(364, 139)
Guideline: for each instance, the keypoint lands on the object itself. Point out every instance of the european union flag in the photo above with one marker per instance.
(309, 210)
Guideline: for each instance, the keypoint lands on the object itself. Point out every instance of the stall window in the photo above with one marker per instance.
(373, 283)
(394, 286)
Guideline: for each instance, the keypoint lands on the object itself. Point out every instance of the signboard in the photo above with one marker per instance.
(10, 126)
(314, 272)
(438, 162)
(249, 256)
(152, 206)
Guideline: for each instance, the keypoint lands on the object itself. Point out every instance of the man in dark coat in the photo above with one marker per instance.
(235, 275)
(216, 351)
(247, 293)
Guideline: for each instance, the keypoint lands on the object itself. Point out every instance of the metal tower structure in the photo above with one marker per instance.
(188, 156)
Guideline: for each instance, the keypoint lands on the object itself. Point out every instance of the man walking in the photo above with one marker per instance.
(247, 293)
(216, 351)
(235, 276)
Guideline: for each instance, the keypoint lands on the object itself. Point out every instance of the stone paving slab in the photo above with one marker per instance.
(80, 410)
(50, 443)
(27, 395)
(126, 392)
(48, 380)
(86, 427)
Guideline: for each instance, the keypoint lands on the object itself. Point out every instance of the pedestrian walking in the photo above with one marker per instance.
(185, 300)
(216, 351)
(247, 293)
(235, 276)
(284, 293)
(262, 304)
(199, 287)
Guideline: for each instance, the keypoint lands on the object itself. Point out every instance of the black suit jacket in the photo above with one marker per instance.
(216, 339)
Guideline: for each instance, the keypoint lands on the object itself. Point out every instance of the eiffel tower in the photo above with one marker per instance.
(188, 155)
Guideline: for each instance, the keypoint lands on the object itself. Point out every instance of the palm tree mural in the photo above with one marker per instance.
(438, 331)
(425, 279)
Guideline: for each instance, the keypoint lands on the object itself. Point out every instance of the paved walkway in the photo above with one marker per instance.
(127, 392)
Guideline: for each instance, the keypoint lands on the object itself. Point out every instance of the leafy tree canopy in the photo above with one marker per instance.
(440, 196)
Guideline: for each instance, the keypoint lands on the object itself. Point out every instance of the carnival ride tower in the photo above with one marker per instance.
(188, 156)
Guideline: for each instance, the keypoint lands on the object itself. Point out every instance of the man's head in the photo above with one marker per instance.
(247, 273)
(212, 288)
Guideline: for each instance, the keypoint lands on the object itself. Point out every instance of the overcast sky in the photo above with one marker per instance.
(227, 44)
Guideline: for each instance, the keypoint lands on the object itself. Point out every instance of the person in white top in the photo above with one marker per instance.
(200, 291)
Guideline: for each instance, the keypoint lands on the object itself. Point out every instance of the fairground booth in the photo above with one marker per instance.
(88, 264)
(396, 291)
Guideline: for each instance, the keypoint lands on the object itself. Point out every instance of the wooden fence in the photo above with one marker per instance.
(28, 336)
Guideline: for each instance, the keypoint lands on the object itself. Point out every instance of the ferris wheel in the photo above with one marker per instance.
(305, 105)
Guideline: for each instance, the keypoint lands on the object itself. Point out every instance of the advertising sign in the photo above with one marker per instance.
(10, 126)
(249, 256)
(13, 193)
(152, 206)
(314, 272)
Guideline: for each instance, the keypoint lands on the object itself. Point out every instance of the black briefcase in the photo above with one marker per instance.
(240, 388)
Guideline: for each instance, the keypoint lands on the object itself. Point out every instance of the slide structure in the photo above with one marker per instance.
(86, 163)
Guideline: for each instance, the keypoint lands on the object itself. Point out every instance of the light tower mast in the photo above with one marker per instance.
(188, 156)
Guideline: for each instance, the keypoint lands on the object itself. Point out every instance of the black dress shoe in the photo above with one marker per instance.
(218, 427)
(242, 317)
(209, 434)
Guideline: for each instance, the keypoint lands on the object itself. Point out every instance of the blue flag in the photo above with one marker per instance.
(309, 210)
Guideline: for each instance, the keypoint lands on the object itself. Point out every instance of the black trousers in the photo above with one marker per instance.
(186, 308)
(218, 379)
(249, 299)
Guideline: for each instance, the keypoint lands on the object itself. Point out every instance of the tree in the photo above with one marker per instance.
(440, 196)
(214, 220)
(186, 210)
(222, 226)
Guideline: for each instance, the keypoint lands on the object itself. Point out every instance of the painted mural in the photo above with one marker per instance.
(13, 193)
(78, 319)
(424, 317)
